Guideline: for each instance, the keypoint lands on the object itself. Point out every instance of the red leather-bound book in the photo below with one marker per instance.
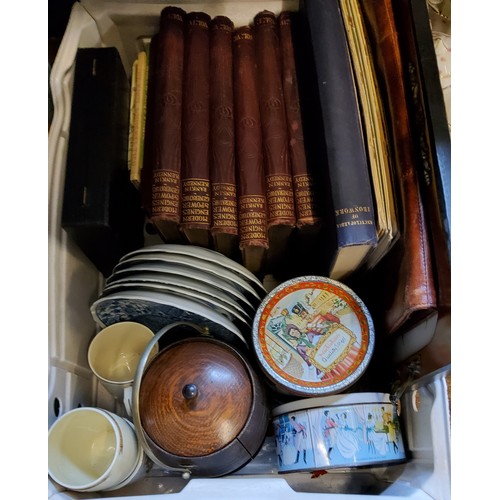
(305, 238)
(195, 175)
(222, 148)
(306, 203)
(279, 183)
(162, 148)
(252, 203)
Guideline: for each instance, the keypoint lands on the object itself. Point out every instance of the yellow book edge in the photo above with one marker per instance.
(376, 131)
(364, 78)
(131, 131)
(139, 117)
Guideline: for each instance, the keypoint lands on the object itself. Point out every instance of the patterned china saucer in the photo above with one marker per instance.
(155, 310)
(223, 306)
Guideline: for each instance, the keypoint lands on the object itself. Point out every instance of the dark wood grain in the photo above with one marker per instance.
(214, 417)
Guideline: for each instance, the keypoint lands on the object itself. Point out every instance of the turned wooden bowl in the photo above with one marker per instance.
(201, 407)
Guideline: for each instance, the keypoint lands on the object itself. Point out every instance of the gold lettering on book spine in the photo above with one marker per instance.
(224, 203)
(279, 186)
(253, 219)
(224, 207)
(195, 197)
(352, 210)
(196, 201)
(242, 36)
(222, 27)
(355, 223)
(262, 20)
(175, 17)
(354, 216)
(198, 22)
(306, 202)
(280, 196)
(165, 194)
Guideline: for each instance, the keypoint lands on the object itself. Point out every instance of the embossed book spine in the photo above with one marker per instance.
(195, 179)
(349, 176)
(279, 183)
(222, 147)
(164, 153)
(305, 183)
(252, 203)
(306, 202)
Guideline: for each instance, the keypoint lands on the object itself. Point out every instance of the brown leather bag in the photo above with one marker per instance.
(408, 294)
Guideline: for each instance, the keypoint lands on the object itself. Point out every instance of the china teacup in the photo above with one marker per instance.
(91, 449)
(113, 356)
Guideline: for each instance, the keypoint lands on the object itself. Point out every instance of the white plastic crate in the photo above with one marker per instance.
(74, 284)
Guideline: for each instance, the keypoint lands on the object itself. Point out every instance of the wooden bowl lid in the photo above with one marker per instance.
(195, 397)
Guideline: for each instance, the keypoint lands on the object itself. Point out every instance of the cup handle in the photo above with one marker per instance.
(127, 399)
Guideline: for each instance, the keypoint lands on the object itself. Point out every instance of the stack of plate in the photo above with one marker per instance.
(160, 284)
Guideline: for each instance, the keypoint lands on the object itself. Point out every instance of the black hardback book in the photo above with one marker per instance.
(349, 180)
(101, 208)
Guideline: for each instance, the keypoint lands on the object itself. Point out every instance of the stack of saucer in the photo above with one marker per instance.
(161, 284)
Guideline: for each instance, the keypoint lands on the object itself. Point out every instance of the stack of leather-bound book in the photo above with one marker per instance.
(223, 164)
(300, 143)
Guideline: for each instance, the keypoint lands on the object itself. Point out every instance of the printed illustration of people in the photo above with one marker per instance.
(279, 448)
(338, 436)
(302, 328)
(328, 426)
(293, 442)
(370, 429)
(347, 440)
(299, 438)
(356, 434)
(315, 335)
(390, 429)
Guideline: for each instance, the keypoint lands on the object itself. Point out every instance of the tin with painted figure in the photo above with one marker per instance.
(313, 336)
(342, 431)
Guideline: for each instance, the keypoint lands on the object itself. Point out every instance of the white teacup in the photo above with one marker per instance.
(91, 449)
(113, 356)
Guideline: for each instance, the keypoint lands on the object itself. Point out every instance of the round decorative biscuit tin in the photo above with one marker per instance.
(343, 431)
(313, 336)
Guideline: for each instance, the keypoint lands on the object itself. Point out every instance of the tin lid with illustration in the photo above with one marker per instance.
(313, 336)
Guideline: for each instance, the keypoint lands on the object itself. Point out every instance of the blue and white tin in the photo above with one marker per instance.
(343, 431)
